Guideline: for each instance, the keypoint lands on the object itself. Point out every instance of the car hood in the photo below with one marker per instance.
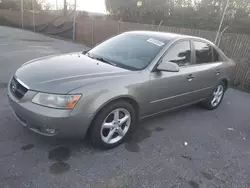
(64, 73)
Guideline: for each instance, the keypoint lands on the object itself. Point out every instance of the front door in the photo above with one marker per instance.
(174, 89)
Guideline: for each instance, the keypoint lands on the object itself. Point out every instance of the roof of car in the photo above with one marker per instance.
(164, 36)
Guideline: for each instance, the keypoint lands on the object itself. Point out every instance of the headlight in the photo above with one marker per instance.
(56, 101)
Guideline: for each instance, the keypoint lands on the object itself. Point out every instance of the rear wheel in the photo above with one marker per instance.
(214, 100)
(112, 125)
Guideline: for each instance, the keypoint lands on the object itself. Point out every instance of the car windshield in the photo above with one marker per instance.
(129, 51)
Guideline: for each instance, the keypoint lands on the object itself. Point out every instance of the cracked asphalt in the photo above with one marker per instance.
(190, 148)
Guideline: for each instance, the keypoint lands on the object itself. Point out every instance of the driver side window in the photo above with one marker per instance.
(180, 54)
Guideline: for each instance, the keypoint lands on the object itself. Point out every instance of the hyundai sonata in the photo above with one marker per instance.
(103, 92)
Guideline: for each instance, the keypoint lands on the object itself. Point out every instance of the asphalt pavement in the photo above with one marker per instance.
(188, 148)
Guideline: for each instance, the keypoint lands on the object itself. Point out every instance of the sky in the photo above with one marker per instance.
(87, 5)
(92, 5)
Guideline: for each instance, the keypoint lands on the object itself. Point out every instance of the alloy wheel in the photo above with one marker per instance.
(115, 126)
(217, 95)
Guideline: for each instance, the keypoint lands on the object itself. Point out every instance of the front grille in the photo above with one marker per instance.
(17, 89)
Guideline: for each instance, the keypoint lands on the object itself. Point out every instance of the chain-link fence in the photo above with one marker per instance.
(85, 29)
(49, 17)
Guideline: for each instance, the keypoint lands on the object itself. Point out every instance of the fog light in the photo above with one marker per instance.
(51, 131)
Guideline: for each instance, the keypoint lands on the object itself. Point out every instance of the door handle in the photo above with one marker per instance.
(190, 77)
(217, 72)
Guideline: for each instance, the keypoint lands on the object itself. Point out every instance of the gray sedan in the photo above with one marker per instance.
(105, 91)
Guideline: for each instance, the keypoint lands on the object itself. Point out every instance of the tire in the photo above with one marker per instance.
(208, 103)
(99, 134)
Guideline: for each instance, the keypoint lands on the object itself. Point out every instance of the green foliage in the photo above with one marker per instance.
(199, 14)
(16, 4)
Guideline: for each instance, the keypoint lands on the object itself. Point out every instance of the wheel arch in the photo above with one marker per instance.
(226, 82)
(131, 100)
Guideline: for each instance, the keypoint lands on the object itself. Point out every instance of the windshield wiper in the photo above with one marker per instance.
(105, 61)
(101, 59)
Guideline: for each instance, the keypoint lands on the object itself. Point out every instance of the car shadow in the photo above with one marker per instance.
(143, 130)
(61, 148)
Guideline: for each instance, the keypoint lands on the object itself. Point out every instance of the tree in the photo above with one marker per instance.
(199, 14)
(16, 5)
(9, 4)
(27, 4)
(45, 5)
(65, 7)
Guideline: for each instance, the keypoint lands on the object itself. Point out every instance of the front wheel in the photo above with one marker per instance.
(214, 100)
(112, 125)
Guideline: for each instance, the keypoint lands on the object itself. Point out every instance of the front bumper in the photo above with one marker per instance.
(44, 120)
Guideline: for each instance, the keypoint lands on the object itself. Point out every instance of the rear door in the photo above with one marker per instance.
(208, 67)
(174, 89)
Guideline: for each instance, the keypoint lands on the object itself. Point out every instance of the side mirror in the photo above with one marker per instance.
(168, 66)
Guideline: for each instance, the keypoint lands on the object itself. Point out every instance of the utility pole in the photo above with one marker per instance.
(221, 22)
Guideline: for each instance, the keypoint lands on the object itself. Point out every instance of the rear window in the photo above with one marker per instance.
(203, 52)
(217, 57)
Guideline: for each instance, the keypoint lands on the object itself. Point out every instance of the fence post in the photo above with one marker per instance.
(119, 26)
(159, 26)
(33, 16)
(74, 23)
(221, 22)
(22, 13)
(222, 32)
(93, 30)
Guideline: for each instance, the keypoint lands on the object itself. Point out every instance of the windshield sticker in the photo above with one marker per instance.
(156, 42)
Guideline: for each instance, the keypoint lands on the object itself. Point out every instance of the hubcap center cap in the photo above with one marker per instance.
(116, 125)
